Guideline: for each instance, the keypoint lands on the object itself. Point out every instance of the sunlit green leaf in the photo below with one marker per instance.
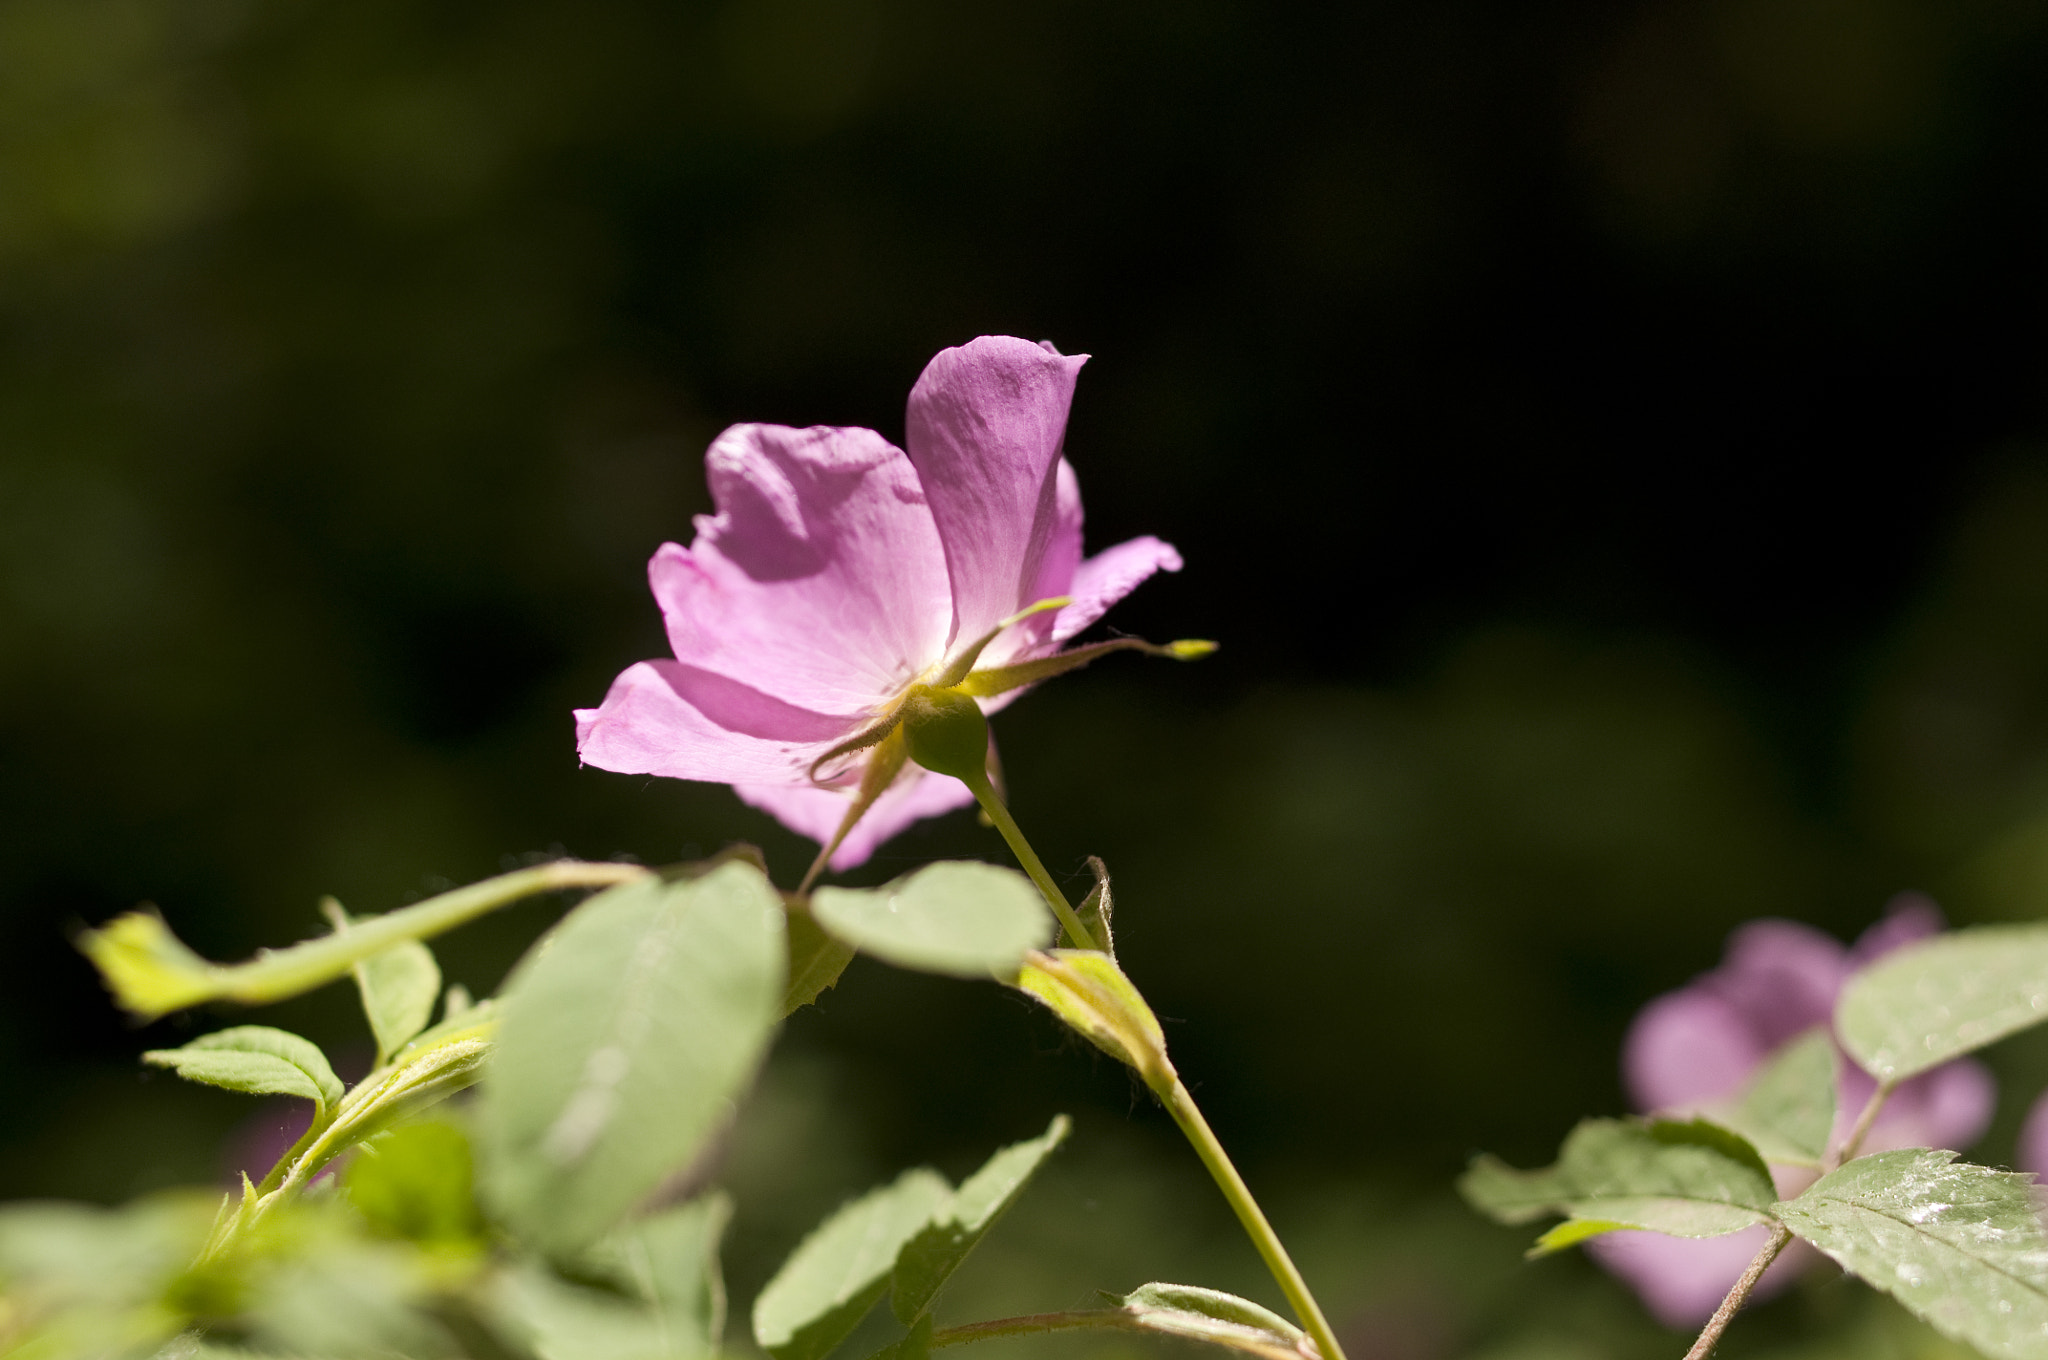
(816, 959)
(256, 1060)
(929, 1259)
(629, 1031)
(961, 918)
(842, 1269)
(1922, 1005)
(417, 1182)
(1788, 1109)
(1960, 1245)
(1685, 1178)
(398, 986)
(150, 971)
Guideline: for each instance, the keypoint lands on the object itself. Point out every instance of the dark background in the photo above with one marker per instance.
(1601, 435)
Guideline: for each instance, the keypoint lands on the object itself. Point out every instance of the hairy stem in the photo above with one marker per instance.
(1181, 1106)
(1860, 1129)
(1710, 1335)
(1033, 1324)
(1026, 856)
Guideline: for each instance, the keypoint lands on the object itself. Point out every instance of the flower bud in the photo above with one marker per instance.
(946, 733)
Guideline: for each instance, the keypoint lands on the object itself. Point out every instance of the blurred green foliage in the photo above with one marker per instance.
(1597, 434)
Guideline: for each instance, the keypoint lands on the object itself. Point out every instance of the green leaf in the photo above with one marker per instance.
(150, 971)
(1509, 1195)
(1922, 1005)
(629, 1032)
(1686, 1178)
(398, 987)
(1573, 1231)
(81, 1281)
(417, 1182)
(666, 1301)
(1215, 1317)
(842, 1269)
(1961, 1246)
(1788, 1109)
(959, 917)
(916, 1345)
(929, 1259)
(669, 1261)
(257, 1060)
(815, 959)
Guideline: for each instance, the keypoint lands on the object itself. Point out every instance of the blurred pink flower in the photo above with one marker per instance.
(839, 570)
(2032, 1152)
(1700, 1043)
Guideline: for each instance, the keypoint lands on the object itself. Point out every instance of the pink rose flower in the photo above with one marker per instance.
(840, 570)
(1701, 1043)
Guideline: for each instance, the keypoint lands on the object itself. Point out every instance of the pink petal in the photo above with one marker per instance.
(1908, 917)
(815, 812)
(1109, 576)
(1782, 976)
(820, 580)
(1682, 1280)
(985, 425)
(1687, 1047)
(1034, 636)
(1949, 1107)
(666, 718)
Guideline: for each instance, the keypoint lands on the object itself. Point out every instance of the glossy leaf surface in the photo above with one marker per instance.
(1960, 1245)
(1922, 1005)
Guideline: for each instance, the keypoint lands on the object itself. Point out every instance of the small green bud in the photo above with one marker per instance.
(946, 733)
(1189, 649)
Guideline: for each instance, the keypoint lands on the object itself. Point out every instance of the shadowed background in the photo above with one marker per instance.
(1599, 433)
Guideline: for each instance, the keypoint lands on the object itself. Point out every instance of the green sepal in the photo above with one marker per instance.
(1214, 1317)
(1085, 988)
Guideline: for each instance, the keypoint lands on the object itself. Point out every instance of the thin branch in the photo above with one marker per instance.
(1710, 1336)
